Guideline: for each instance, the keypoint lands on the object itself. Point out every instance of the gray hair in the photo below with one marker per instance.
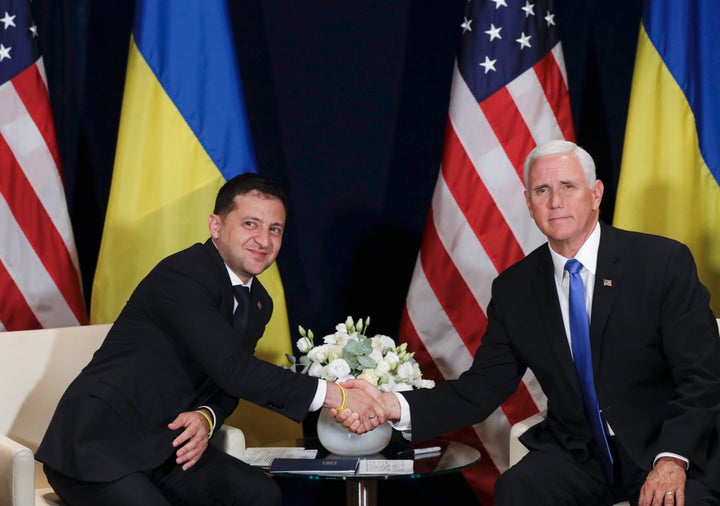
(559, 147)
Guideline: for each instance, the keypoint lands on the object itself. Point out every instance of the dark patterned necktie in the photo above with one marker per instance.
(240, 316)
(580, 338)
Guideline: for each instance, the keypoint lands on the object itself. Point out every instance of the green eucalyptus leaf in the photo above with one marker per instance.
(354, 347)
(366, 362)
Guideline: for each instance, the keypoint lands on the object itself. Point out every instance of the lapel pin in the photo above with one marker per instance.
(607, 282)
(259, 305)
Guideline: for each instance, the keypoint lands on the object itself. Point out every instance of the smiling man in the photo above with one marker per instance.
(133, 427)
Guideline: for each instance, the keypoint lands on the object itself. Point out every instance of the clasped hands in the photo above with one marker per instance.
(366, 408)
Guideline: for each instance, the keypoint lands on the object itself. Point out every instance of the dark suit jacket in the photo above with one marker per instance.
(656, 354)
(172, 349)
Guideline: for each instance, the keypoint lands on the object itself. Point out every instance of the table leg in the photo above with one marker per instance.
(361, 492)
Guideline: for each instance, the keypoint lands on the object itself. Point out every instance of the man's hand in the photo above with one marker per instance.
(193, 441)
(665, 484)
(386, 407)
(367, 411)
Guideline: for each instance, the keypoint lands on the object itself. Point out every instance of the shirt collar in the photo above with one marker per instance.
(234, 278)
(587, 255)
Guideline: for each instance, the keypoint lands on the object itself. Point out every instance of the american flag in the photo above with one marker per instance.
(509, 93)
(39, 273)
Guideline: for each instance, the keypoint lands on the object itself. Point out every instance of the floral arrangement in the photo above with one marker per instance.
(349, 353)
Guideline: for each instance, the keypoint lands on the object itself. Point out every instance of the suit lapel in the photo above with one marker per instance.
(545, 293)
(608, 277)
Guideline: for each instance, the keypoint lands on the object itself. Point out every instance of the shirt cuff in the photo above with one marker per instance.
(319, 398)
(674, 455)
(404, 422)
(211, 413)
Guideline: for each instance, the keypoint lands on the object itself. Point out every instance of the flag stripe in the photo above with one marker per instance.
(508, 93)
(462, 246)
(449, 287)
(28, 276)
(680, 31)
(491, 162)
(410, 336)
(216, 90)
(510, 129)
(15, 313)
(35, 194)
(474, 201)
(45, 242)
(32, 90)
(548, 71)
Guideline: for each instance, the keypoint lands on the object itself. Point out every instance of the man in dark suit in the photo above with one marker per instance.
(133, 427)
(655, 358)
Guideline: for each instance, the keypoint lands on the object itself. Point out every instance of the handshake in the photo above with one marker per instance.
(360, 406)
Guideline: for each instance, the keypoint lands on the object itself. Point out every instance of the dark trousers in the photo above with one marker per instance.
(541, 478)
(217, 479)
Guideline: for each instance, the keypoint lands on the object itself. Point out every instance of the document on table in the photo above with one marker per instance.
(263, 457)
(373, 466)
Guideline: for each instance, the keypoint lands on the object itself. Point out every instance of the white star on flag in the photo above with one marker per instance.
(494, 32)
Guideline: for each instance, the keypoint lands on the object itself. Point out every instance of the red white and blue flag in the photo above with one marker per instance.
(39, 274)
(509, 93)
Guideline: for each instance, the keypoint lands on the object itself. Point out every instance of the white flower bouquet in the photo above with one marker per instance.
(349, 354)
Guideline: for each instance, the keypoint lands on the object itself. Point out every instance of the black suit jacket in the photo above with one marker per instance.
(172, 349)
(656, 354)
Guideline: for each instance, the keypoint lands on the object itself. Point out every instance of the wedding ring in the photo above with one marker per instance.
(371, 417)
(669, 492)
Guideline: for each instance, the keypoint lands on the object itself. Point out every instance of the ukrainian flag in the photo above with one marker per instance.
(183, 133)
(670, 175)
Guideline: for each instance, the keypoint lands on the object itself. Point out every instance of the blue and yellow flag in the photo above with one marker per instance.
(183, 133)
(670, 176)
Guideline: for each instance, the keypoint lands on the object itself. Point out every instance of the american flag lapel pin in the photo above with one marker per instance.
(259, 305)
(607, 282)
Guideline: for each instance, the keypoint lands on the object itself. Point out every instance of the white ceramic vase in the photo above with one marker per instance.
(338, 440)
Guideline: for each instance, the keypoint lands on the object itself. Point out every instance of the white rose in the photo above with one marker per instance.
(338, 368)
(335, 351)
(387, 342)
(382, 368)
(392, 359)
(376, 355)
(427, 384)
(319, 353)
(317, 370)
(331, 339)
(417, 374)
(304, 344)
(405, 371)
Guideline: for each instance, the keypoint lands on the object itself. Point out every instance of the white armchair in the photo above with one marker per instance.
(35, 368)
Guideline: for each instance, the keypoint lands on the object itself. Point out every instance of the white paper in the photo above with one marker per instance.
(373, 466)
(264, 456)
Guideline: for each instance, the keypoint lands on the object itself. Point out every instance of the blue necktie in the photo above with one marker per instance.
(580, 337)
(240, 316)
